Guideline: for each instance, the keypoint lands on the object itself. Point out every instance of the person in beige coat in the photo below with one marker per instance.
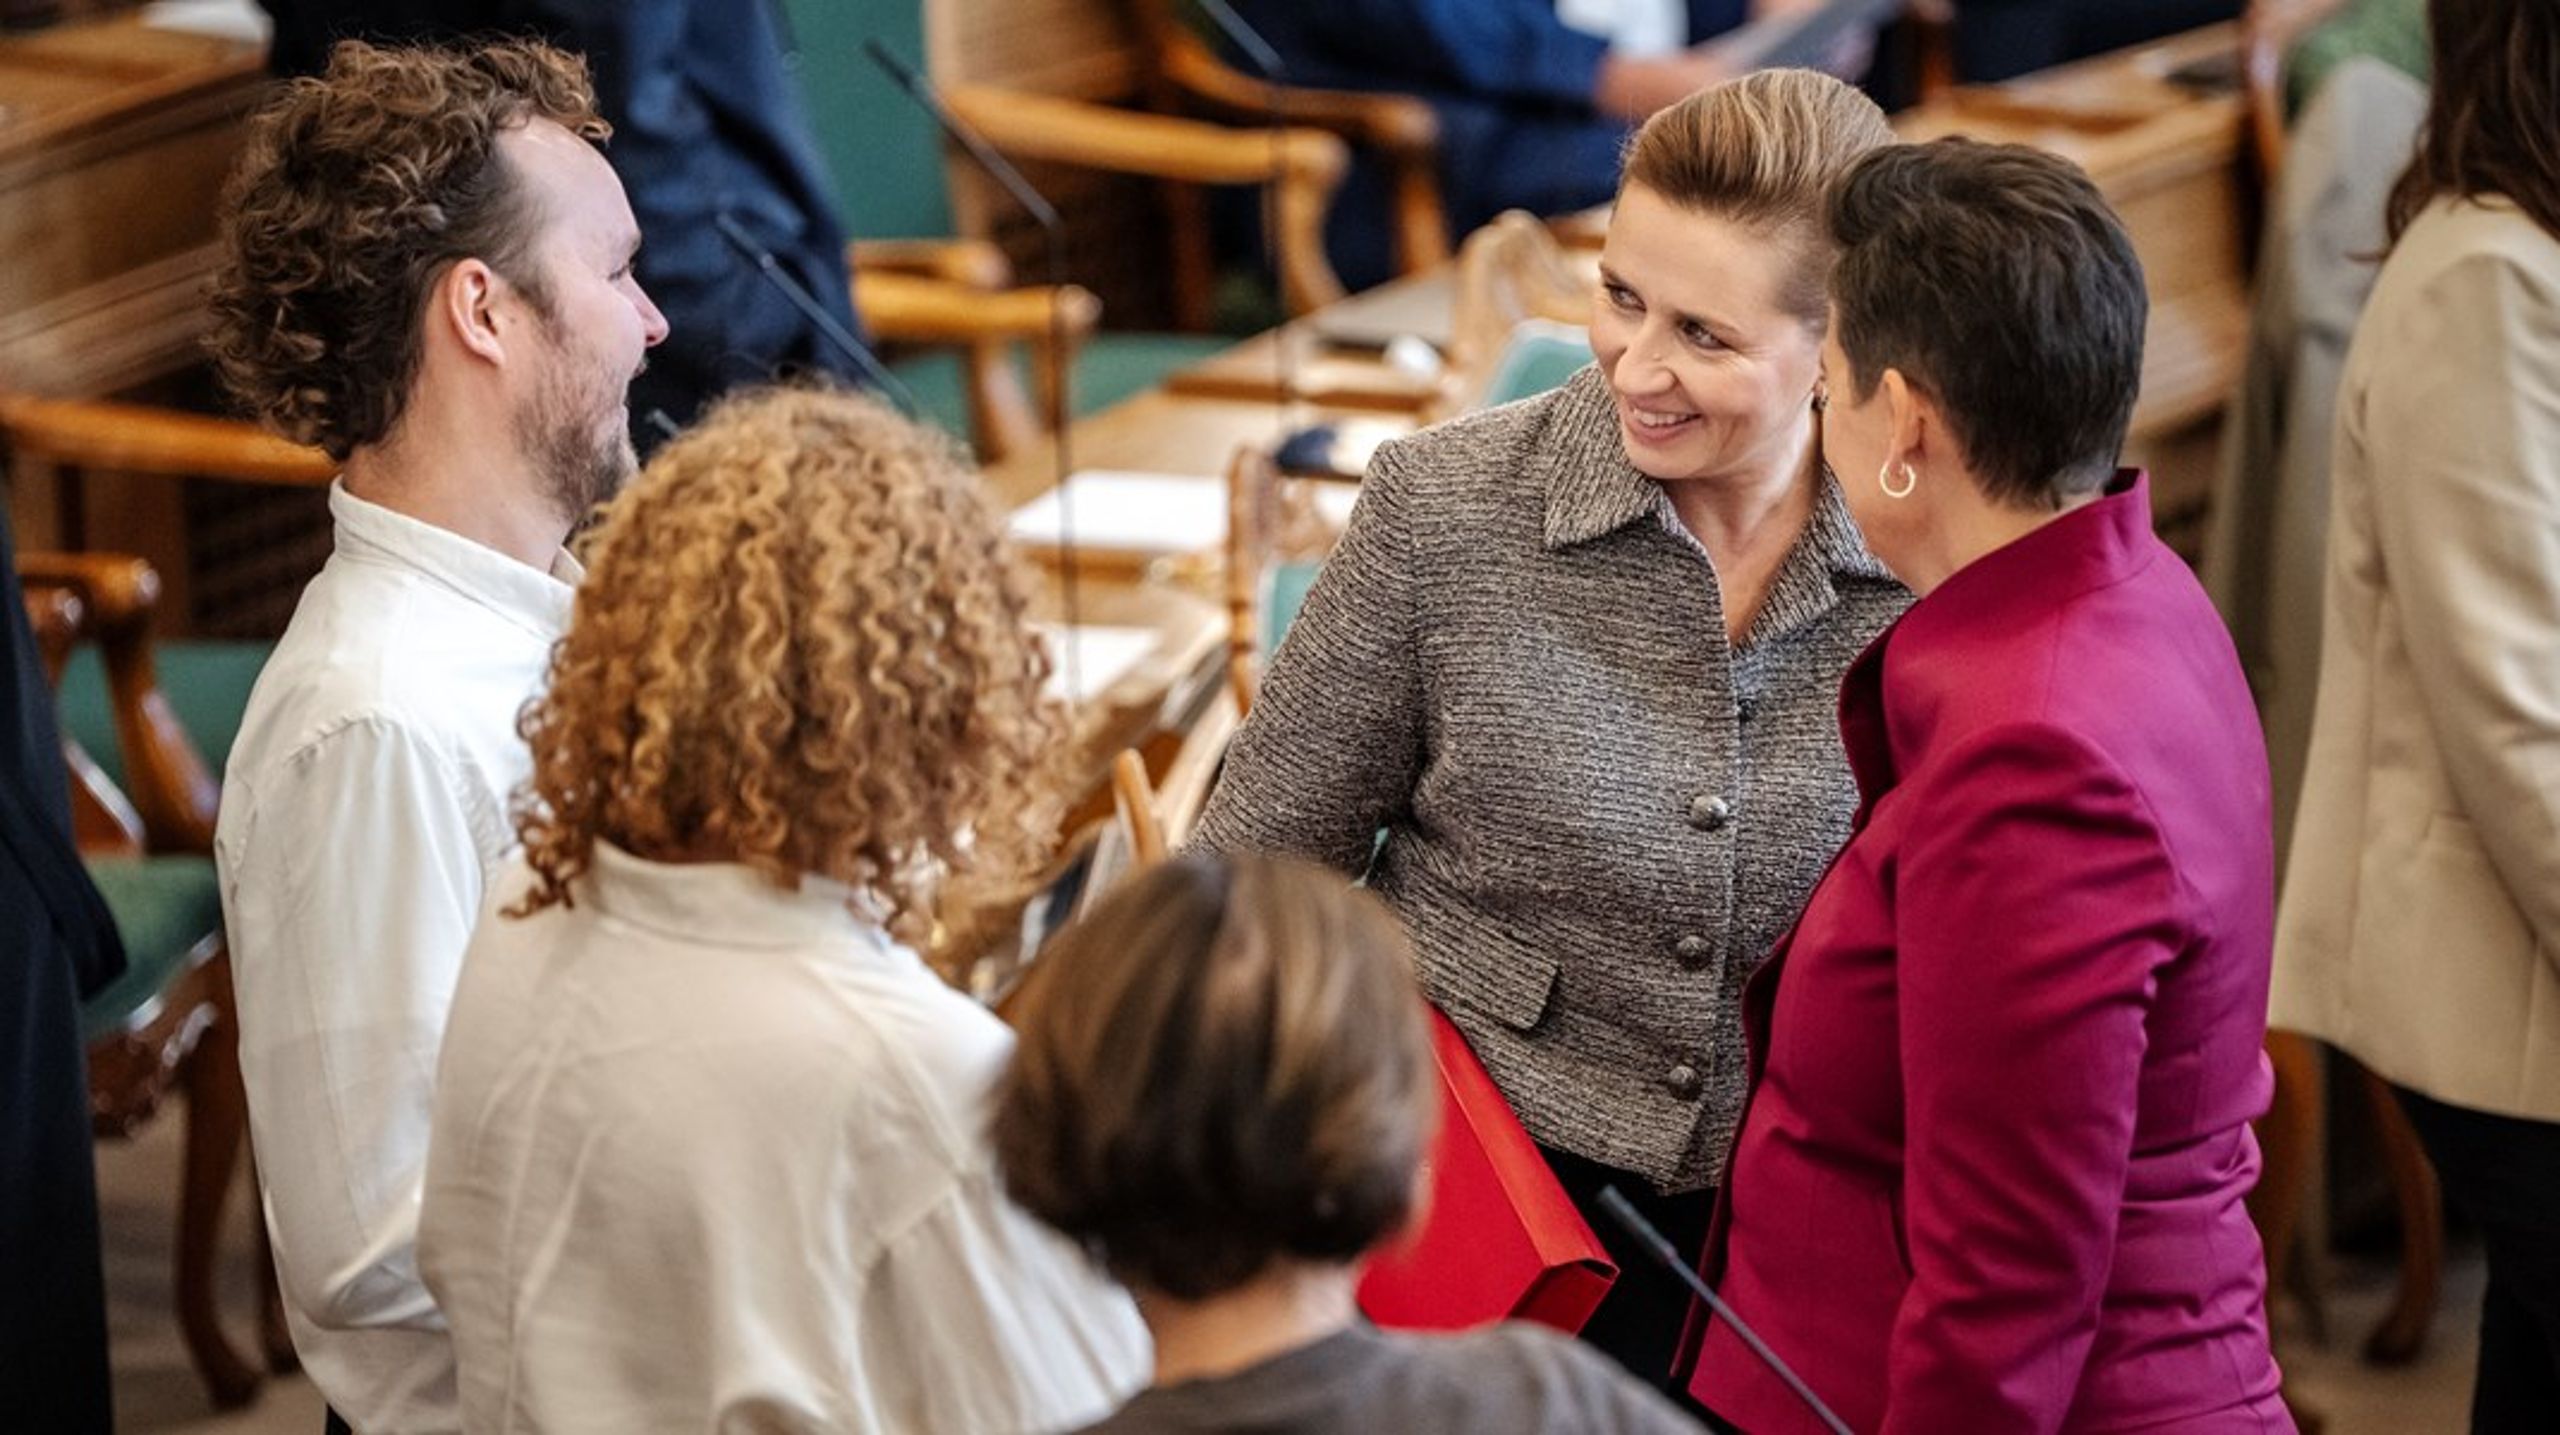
(2421, 922)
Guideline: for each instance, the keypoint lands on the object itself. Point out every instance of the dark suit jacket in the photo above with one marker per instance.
(706, 119)
(57, 944)
(1511, 85)
(1992, 1173)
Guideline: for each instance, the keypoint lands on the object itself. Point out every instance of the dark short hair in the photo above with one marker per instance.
(356, 190)
(1999, 283)
(1225, 1065)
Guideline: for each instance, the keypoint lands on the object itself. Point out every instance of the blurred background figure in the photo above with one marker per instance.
(2422, 901)
(1535, 98)
(57, 945)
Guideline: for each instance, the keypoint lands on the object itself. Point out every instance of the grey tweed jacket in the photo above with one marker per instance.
(1598, 813)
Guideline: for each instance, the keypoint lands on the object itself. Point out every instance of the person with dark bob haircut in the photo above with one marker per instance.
(1223, 1088)
(1992, 1172)
(2421, 924)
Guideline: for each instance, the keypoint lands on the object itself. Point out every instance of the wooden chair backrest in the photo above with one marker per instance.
(73, 598)
(1122, 233)
(1509, 271)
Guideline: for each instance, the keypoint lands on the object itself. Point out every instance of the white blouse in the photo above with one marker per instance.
(710, 1155)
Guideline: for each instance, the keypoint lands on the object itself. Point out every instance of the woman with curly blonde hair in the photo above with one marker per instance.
(709, 1142)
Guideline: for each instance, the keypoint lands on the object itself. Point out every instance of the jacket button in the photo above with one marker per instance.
(1685, 1082)
(1694, 951)
(1709, 813)
(1745, 710)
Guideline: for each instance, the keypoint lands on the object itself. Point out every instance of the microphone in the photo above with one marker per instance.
(658, 421)
(1054, 235)
(1266, 62)
(1655, 1245)
(770, 266)
(1244, 37)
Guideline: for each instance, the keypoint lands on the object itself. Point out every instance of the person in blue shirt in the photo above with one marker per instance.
(1535, 97)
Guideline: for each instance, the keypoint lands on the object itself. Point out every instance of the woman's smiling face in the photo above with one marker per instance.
(1714, 375)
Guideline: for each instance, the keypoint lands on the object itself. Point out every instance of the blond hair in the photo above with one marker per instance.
(802, 644)
(1764, 151)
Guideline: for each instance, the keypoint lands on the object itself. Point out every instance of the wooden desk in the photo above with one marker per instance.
(114, 140)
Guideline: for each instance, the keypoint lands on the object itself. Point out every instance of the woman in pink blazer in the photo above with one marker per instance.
(1991, 1176)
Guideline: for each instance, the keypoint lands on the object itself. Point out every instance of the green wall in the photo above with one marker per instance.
(881, 150)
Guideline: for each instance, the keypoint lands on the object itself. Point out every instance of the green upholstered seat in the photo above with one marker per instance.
(163, 906)
(2392, 31)
(1539, 356)
(1110, 368)
(1288, 593)
(207, 685)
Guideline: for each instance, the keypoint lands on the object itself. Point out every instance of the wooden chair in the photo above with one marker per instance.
(1277, 538)
(168, 1025)
(1401, 130)
(959, 294)
(1065, 85)
(1511, 271)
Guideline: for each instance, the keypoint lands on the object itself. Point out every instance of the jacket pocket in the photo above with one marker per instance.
(1502, 976)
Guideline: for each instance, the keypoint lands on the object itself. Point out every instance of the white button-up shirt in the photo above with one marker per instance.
(711, 1155)
(364, 814)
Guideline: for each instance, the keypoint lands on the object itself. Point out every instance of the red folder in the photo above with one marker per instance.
(1501, 1239)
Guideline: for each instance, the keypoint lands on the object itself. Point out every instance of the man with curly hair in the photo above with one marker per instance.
(427, 274)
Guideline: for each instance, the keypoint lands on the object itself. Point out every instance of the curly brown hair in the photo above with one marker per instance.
(356, 190)
(802, 644)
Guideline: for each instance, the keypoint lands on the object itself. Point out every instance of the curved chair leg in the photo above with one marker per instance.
(2402, 1332)
(2289, 1138)
(217, 1125)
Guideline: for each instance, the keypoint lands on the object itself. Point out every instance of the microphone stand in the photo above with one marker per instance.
(1053, 234)
(1655, 1245)
(1266, 62)
(770, 266)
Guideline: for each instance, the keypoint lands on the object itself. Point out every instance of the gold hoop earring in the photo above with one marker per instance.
(1910, 480)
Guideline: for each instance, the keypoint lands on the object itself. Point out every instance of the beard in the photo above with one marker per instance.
(576, 436)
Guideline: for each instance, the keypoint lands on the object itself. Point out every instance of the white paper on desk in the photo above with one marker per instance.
(1334, 502)
(1103, 655)
(1115, 511)
(238, 20)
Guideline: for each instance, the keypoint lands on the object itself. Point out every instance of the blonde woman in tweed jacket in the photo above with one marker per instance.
(1579, 658)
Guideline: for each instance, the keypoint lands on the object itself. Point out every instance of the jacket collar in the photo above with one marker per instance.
(1593, 491)
(2101, 543)
(728, 904)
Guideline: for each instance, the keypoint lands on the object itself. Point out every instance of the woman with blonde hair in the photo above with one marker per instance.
(1577, 657)
(708, 1149)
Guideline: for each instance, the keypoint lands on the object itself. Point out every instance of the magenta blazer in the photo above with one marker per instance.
(1991, 1174)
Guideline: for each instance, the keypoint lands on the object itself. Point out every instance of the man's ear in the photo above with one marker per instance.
(465, 304)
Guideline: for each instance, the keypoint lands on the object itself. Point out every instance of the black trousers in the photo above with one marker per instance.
(2504, 1173)
(1639, 1323)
